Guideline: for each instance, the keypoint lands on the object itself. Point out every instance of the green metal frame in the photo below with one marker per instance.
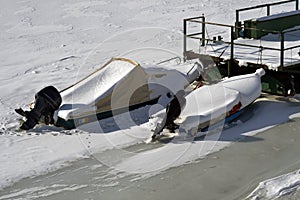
(253, 28)
(268, 6)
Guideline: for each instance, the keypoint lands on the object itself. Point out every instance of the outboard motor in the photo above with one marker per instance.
(47, 101)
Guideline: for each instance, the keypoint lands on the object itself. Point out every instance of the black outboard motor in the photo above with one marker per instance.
(47, 101)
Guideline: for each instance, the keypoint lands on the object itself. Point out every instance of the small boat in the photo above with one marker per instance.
(119, 86)
(218, 103)
(122, 85)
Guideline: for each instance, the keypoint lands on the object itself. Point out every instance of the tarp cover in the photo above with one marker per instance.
(118, 84)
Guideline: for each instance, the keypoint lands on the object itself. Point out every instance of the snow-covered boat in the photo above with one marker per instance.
(122, 85)
(218, 103)
(118, 86)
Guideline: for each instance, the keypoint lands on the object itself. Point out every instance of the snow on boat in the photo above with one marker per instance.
(209, 107)
(119, 86)
(122, 85)
(223, 101)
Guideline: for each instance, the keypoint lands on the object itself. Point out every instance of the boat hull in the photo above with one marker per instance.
(220, 103)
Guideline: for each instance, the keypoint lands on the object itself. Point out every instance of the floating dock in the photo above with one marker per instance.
(271, 42)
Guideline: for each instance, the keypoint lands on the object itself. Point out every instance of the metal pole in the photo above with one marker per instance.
(184, 40)
(231, 52)
(203, 31)
(281, 50)
(268, 10)
(237, 19)
(297, 5)
(232, 43)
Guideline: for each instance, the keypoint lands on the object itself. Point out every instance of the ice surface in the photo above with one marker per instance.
(277, 187)
(58, 42)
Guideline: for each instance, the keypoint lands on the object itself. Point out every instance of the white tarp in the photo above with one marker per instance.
(110, 87)
(121, 83)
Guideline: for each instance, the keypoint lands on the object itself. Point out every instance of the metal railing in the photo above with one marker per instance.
(202, 37)
(268, 6)
(201, 20)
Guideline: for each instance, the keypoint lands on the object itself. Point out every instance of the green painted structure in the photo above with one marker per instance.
(257, 28)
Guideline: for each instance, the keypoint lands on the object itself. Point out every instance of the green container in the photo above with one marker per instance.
(265, 25)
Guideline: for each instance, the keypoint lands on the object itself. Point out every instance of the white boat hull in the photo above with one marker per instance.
(214, 103)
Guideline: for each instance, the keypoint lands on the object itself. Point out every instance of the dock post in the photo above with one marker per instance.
(230, 64)
(203, 31)
(237, 19)
(281, 50)
(184, 40)
(268, 10)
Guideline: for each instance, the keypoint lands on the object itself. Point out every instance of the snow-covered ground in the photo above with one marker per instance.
(57, 42)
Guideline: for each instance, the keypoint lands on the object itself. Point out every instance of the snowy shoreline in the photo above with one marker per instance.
(45, 153)
(256, 145)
